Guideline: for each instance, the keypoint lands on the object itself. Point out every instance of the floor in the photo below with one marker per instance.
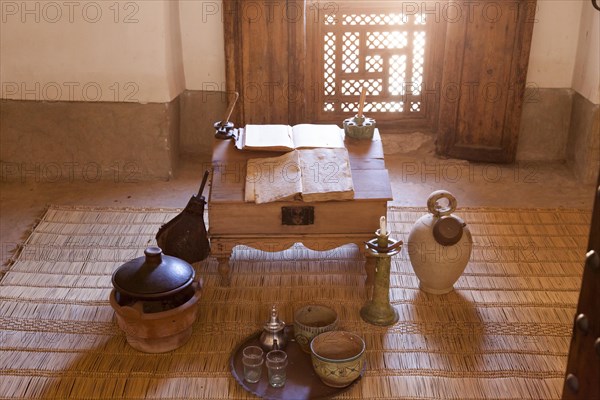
(415, 171)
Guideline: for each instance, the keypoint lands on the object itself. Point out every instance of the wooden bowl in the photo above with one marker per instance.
(312, 320)
(338, 357)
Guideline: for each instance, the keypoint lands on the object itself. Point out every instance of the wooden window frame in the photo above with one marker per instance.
(432, 71)
(289, 58)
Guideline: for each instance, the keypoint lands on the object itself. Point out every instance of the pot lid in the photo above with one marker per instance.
(448, 230)
(153, 275)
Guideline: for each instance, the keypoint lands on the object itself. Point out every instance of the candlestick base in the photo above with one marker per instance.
(379, 314)
(359, 127)
(224, 131)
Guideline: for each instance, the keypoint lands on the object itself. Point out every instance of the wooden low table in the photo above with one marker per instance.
(233, 222)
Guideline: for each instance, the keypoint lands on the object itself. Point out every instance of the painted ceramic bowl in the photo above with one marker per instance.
(338, 357)
(312, 320)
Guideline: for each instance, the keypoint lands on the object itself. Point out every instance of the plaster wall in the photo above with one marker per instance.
(91, 51)
(203, 44)
(559, 119)
(586, 76)
(63, 141)
(583, 144)
(153, 51)
(150, 51)
(545, 123)
(554, 43)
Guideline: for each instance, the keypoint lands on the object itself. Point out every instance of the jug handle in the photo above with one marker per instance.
(438, 210)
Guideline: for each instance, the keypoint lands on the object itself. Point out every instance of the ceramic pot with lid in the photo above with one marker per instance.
(155, 299)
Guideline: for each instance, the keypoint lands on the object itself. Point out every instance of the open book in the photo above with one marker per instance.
(308, 175)
(286, 138)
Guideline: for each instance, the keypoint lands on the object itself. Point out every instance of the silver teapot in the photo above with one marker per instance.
(273, 336)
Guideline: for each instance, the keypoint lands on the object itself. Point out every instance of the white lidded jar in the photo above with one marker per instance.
(439, 245)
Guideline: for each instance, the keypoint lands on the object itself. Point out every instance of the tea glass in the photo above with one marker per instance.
(253, 361)
(276, 364)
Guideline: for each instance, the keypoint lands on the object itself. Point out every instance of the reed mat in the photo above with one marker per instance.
(504, 332)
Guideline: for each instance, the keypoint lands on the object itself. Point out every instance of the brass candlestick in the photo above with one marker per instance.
(378, 310)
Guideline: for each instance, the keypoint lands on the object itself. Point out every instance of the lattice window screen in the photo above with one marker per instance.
(384, 51)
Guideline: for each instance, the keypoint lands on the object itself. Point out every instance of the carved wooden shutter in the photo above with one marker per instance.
(306, 61)
(389, 47)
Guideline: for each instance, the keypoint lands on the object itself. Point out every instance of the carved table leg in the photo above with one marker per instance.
(224, 268)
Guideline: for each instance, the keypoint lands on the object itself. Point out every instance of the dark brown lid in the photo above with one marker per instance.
(154, 275)
(448, 230)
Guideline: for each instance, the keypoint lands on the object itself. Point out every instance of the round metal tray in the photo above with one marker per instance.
(302, 383)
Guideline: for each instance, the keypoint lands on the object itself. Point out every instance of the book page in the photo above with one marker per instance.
(311, 135)
(268, 137)
(273, 178)
(326, 174)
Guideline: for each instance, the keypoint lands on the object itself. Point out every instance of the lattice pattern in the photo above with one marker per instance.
(389, 59)
(374, 19)
(329, 56)
(387, 40)
(383, 106)
(418, 61)
(397, 75)
(354, 86)
(420, 19)
(374, 63)
(351, 52)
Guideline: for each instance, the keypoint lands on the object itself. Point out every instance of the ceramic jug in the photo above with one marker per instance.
(439, 245)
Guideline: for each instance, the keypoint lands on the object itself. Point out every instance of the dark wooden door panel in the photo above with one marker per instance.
(260, 51)
(483, 84)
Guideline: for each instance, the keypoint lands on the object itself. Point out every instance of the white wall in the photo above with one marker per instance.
(90, 50)
(203, 44)
(150, 51)
(586, 76)
(551, 65)
(554, 43)
(174, 69)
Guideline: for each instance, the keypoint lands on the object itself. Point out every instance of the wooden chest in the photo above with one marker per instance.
(317, 225)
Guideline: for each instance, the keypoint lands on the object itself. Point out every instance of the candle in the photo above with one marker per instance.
(361, 102)
(382, 226)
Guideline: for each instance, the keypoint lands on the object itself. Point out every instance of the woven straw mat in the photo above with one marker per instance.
(503, 333)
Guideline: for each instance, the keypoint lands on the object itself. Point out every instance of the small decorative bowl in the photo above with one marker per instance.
(338, 357)
(312, 320)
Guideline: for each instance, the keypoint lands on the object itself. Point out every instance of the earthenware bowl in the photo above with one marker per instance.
(157, 332)
(338, 357)
(312, 320)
